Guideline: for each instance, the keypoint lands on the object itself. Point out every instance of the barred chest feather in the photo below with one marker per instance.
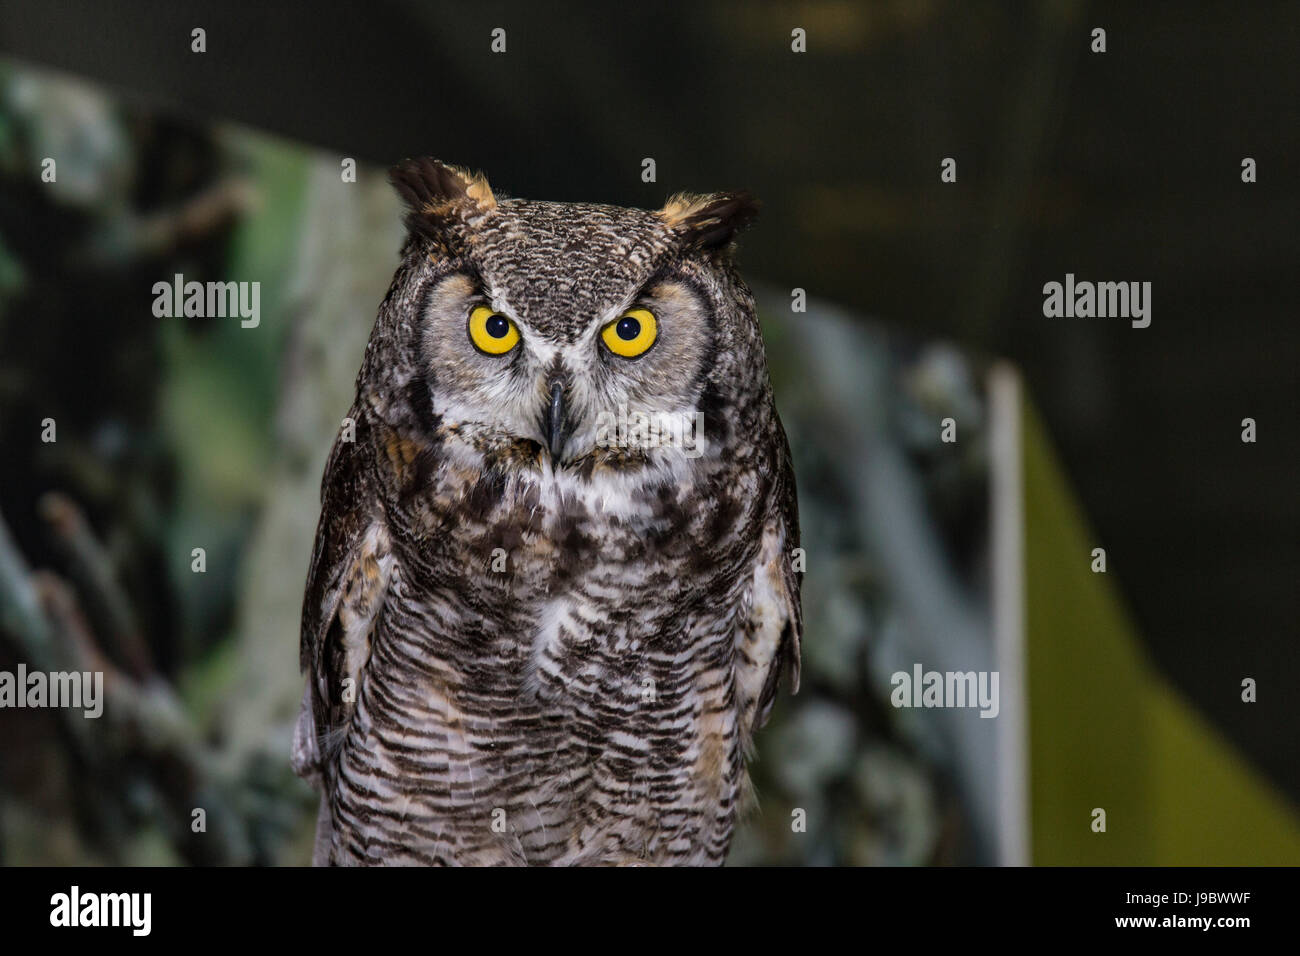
(552, 677)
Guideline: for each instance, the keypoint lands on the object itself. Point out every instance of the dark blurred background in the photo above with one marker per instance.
(1117, 166)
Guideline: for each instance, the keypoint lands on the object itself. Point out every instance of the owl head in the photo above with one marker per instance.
(525, 331)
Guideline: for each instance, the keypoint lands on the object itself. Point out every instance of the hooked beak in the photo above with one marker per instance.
(555, 423)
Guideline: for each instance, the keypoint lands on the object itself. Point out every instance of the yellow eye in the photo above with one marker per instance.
(631, 334)
(491, 332)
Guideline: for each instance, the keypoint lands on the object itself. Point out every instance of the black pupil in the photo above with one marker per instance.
(498, 327)
(628, 328)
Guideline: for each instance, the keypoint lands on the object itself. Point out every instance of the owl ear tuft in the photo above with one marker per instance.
(439, 196)
(709, 223)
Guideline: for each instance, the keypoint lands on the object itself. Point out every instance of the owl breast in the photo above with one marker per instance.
(552, 677)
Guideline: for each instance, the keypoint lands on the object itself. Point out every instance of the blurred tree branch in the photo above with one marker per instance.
(143, 735)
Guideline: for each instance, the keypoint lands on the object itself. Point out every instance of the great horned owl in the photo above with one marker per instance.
(552, 591)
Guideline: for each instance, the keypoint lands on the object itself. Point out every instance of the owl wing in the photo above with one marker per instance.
(767, 643)
(347, 585)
